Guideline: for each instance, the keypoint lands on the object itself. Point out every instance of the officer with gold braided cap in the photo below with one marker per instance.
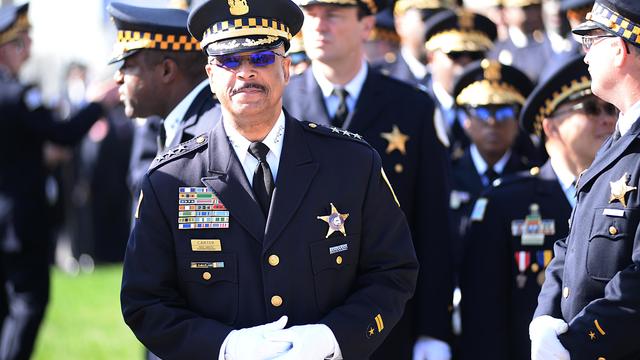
(409, 64)
(589, 306)
(517, 221)
(264, 221)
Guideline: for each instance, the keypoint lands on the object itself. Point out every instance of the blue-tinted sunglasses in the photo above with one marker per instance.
(499, 113)
(233, 61)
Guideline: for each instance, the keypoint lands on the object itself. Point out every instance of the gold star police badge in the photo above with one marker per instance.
(335, 220)
(397, 140)
(619, 189)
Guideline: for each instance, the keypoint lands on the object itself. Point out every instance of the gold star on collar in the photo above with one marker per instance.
(397, 140)
(335, 221)
(620, 188)
(371, 331)
(592, 335)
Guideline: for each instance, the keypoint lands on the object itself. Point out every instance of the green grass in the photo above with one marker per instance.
(84, 321)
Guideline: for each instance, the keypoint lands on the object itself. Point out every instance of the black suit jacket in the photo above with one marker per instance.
(496, 308)
(593, 283)
(420, 177)
(179, 314)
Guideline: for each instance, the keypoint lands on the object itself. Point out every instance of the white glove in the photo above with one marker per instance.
(251, 344)
(543, 332)
(309, 342)
(428, 348)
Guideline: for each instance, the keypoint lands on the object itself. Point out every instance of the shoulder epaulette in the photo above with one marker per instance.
(179, 150)
(333, 132)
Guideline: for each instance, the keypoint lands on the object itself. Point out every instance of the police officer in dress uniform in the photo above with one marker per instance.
(161, 79)
(264, 221)
(575, 12)
(514, 225)
(26, 247)
(454, 39)
(490, 96)
(409, 63)
(340, 90)
(589, 306)
(528, 47)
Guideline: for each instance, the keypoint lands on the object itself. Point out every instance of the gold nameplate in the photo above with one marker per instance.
(206, 245)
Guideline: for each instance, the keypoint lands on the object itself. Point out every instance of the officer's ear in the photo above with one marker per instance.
(550, 128)
(169, 70)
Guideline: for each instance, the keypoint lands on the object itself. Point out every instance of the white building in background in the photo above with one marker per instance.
(71, 30)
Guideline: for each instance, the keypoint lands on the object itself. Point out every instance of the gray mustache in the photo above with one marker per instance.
(248, 86)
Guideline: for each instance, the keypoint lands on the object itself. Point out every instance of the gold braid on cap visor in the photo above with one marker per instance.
(371, 4)
(568, 92)
(487, 92)
(622, 26)
(456, 41)
(13, 32)
(242, 27)
(403, 5)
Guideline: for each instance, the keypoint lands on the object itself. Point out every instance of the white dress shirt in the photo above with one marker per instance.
(566, 180)
(273, 141)
(482, 166)
(626, 120)
(353, 87)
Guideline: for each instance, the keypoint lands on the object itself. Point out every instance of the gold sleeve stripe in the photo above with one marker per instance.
(379, 322)
(598, 327)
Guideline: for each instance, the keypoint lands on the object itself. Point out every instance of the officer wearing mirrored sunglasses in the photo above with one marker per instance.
(265, 237)
(489, 96)
(589, 306)
(515, 224)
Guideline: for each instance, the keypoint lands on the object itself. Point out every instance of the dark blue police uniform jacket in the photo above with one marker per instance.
(357, 284)
(420, 178)
(497, 306)
(467, 186)
(26, 242)
(202, 115)
(593, 283)
(23, 133)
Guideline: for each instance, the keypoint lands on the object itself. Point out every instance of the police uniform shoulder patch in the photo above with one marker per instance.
(178, 151)
(333, 132)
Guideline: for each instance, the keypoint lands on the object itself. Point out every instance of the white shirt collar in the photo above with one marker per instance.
(176, 116)
(273, 140)
(481, 165)
(418, 69)
(443, 97)
(353, 87)
(626, 120)
(565, 177)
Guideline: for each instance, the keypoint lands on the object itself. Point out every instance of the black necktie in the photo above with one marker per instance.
(343, 111)
(262, 178)
(491, 175)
